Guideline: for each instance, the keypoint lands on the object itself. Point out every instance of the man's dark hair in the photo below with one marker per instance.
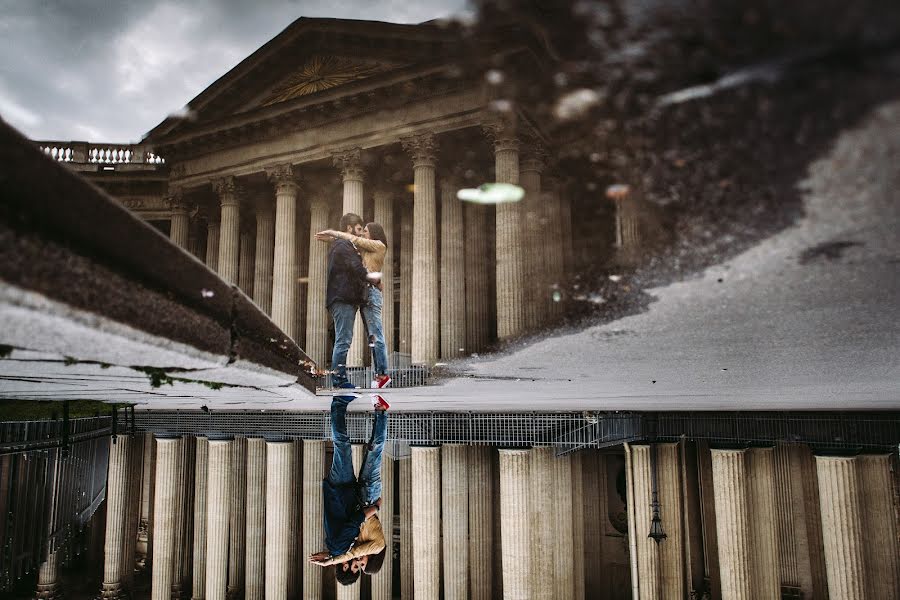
(373, 565)
(376, 232)
(347, 577)
(350, 220)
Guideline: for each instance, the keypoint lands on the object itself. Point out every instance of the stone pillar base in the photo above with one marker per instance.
(50, 591)
(234, 594)
(111, 591)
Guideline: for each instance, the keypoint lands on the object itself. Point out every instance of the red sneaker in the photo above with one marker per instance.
(379, 402)
(381, 381)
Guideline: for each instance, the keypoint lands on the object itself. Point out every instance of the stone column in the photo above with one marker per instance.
(645, 568)
(255, 563)
(426, 522)
(284, 274)
(295, 566)
(406, 280)
(230, 231)
(182, 519)
(247, 267)
(406, 536)
(219, 497)
(352, 592)
(554, 262)
(455, 520)
(148, 481)
(880, 524)
(787, 555)
(116, 505)
(317, 318)
(168, 454)
(237, 517)
(533, 230)
(313, 515)
(545, 528)
(201, 478)
(382, 582)
(564, 566)
(514, 530)
(593, 471)
(732, 523)
(481, 525)
(48, 578)
(384, 214)
(195, 245)
(842, 527)
(212, 243)
(510, 266)
(352, 174)
(453, 276)
(180, 224)
(578, 526)
(671, 512)
(133, 508)
(264, 255)
(425, 332)
(477, 259)
(763, 523)
(280, 486)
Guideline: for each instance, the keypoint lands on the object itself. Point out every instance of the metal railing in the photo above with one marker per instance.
(402, 375)
(100, 154)
(53, 480)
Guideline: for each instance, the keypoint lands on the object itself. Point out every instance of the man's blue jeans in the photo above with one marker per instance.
(343, 315)
(371, 312)
(342, 460)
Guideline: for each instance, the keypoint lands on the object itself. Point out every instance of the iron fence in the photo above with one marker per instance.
(403, 375)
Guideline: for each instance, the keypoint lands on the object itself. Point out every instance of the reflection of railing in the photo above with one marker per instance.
(54, 476)
(99, 154)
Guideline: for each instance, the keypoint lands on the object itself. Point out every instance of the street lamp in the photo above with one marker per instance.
(656, 530)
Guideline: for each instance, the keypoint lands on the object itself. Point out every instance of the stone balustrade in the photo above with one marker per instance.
(99, 154)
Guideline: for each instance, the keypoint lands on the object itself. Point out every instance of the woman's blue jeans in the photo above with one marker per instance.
(342, 461)
(371, 312)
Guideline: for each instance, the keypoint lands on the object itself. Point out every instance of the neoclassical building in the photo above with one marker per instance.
(384, 120)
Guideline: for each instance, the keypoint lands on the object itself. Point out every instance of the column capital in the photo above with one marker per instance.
(382, 194)
(175, 201)
(228, 190)
(502, 135)
(535, 160)
(349, 161)
(284, 177)
(422, 148)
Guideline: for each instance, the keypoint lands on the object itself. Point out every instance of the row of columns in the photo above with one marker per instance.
(445, 303)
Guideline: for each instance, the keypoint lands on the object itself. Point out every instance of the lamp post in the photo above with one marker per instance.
(656, 530)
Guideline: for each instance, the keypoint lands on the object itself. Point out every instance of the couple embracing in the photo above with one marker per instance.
(354, 537)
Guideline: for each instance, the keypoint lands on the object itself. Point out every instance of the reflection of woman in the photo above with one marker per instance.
(372, 247)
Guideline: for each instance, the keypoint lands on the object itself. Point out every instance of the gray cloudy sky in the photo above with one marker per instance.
(110, 70)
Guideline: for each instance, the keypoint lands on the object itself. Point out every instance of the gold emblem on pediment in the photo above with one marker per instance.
(322, 73)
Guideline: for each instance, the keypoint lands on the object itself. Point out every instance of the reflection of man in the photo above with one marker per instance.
(346, 291)
(353, 533)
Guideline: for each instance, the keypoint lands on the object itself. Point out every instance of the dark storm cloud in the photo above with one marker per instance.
(98, 70)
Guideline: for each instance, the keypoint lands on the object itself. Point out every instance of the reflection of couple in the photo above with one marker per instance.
(353, 535)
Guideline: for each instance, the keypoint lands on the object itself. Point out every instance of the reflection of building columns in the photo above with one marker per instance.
(533, 252)
(168, 455)
(426, 522)
(732, 522)
(48, 572)
(313, 514)
(263, 255)
(593, 472)
(219, 497)
(183, 519)
(578, 526)
(48, 578)
(212, 243)
(645, 576)
(565, 217)
(248, 250)
(554, 263)
(453, 280)
(280, 487)
(382, 581)
(406, 280)
(477, 259)
(481, 522)
(880, 524)
(316, 313)
(763, 523)
(842, 527)
(352, 591)
(455, 520)
(510, 268)
(116, 505)
(201, 477)
(256, 520)
(564, 566)
(352, 175)
(237, 517)
(425, 314)
(148, 481)
(627, 228)
(669, 493)
(545, 529)
(384, 214)
(230, 229)
(284, 272)
(132, 507)
(515, 482)
(406, 549)
(179, 229)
